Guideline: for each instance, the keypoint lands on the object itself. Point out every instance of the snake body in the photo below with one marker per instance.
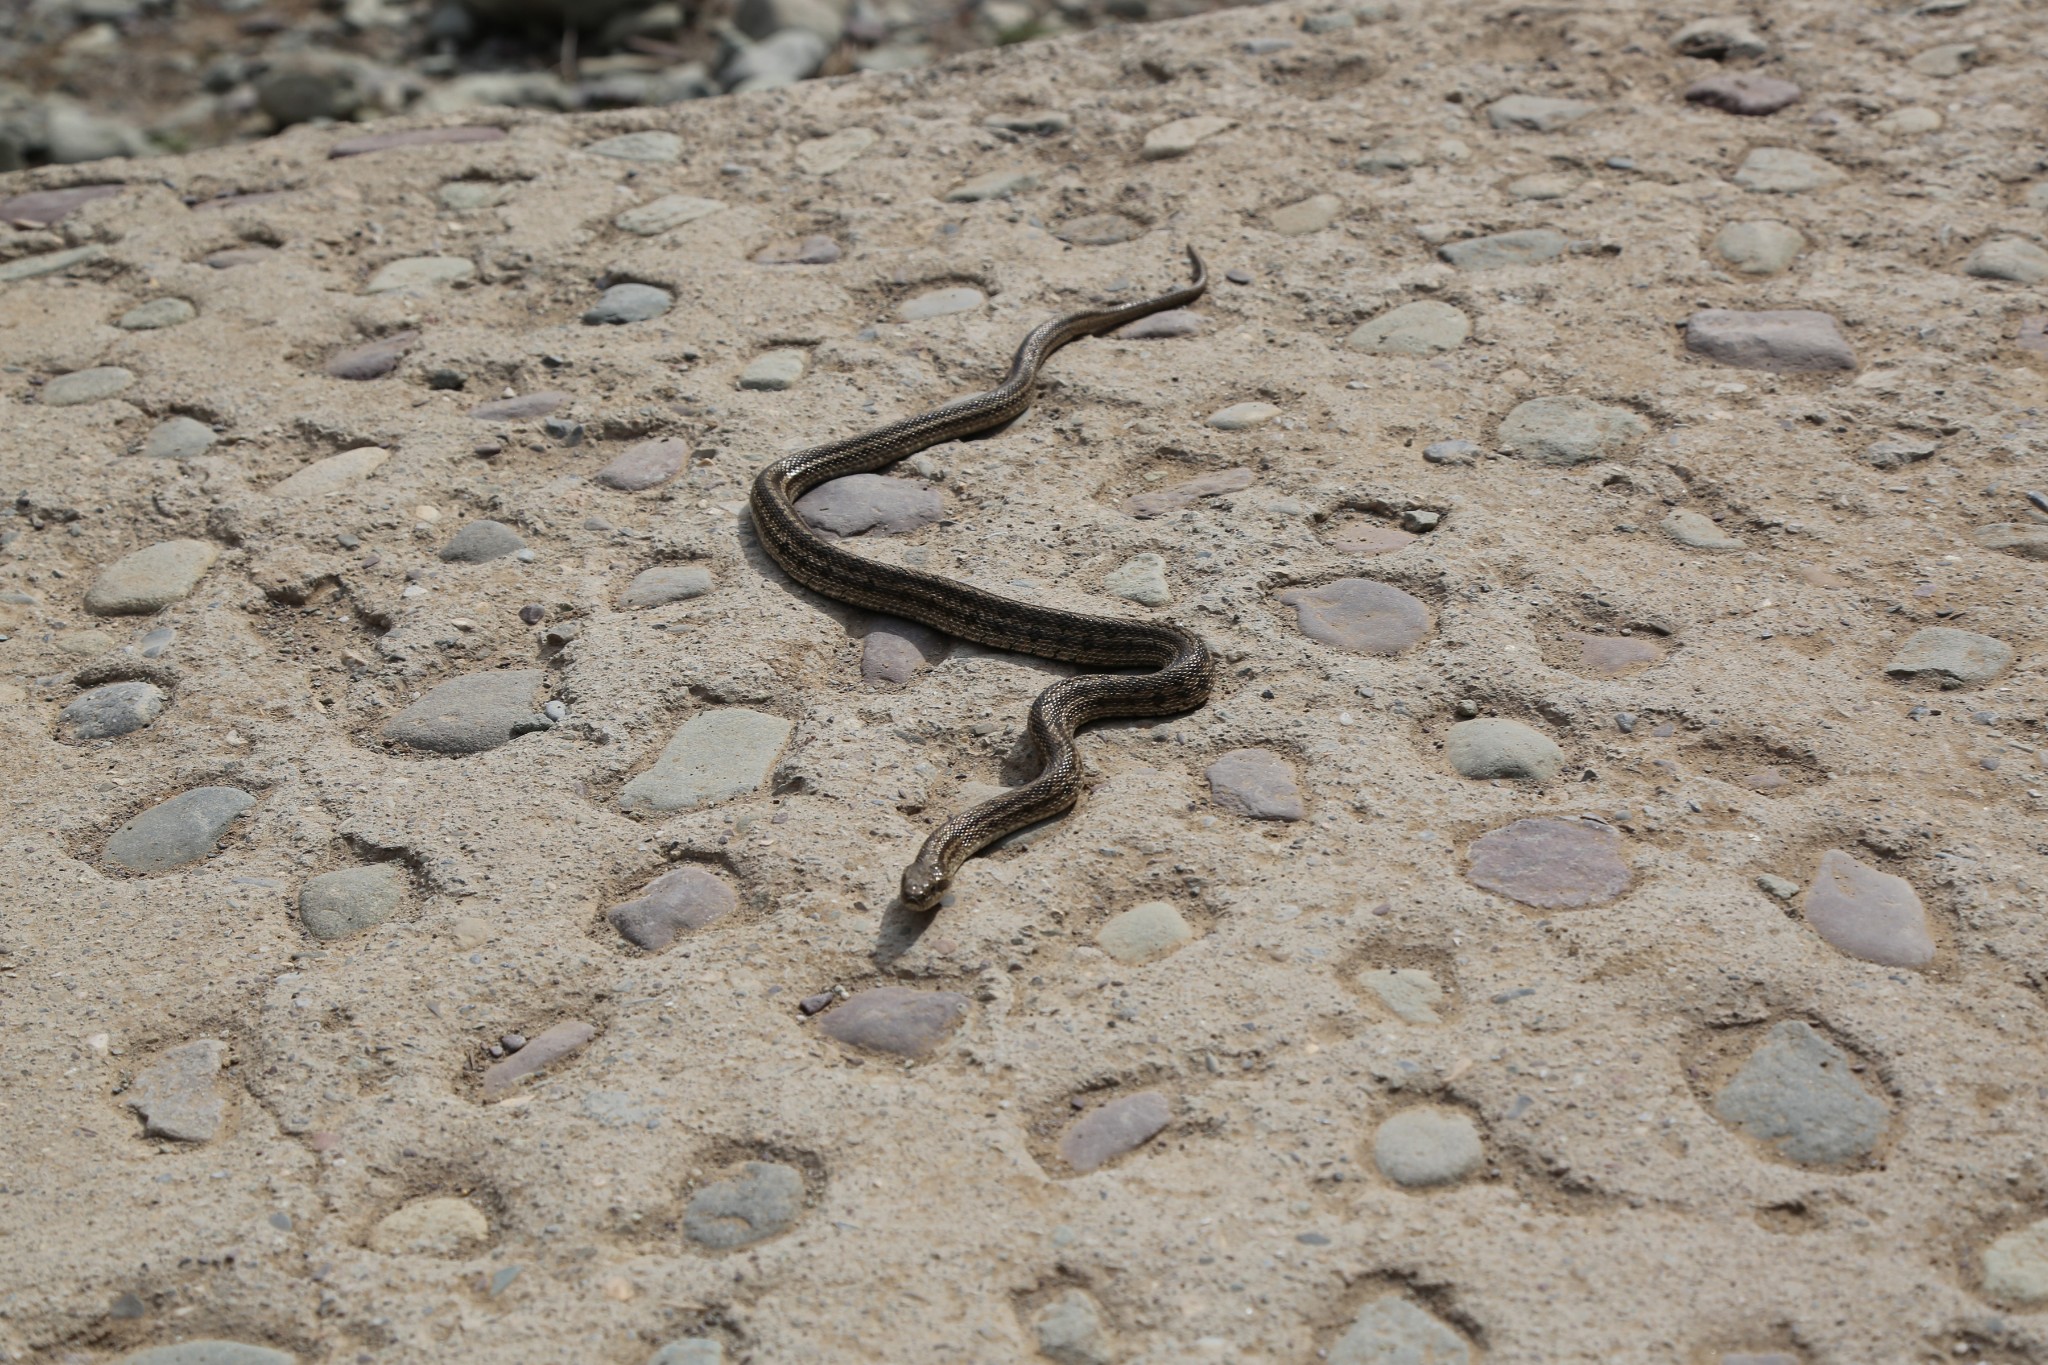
(1179, 668)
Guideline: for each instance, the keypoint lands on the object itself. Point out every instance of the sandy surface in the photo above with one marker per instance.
(1601, 1039)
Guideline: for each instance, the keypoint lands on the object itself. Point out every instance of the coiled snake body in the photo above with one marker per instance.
(1180, 666)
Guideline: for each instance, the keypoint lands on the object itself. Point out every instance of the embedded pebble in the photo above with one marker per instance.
(421, 272)
(1408, 993)
(666, 583)
(1359, 614)
(468, 714)
(1365, 538)
(2016, 1266)
(208, 1351)
(118, 708)
(337, 904)
(150, 579)
(1536, 113)
(467, 196)
(372, 359)
(47, 208)
(1954, 658)
(940, 303)
(1797, 1095)
(1144, 933)
(178, 438)
(1945, 61)
(652, 148)
(1782, 887)
(413, 137)
(1699, 532)
(2014, 538)
(177, 1098)
(1392, 1331)
(2008, 258)
(690, 1351)
(323, 478)
(181, 830)
(157, 313)
(1760, 246)
(1498, 747)
(1421, 1147)
(1158, 502)
(482, 541)
(870, 504)
(540, 1052)
(1868, 914)
(763, 1200)
(49, 263)
(1182, 136)
(666, 213)
(816, 250)
(713, 756)
(1174, 322)
(895, 651)
(86, 386)
(1424, 327)
(775, 371)
(624, 303)
(1098, 229)
(1141, 579)
(824, 155)
(1305, 216)
(1909, 122)
(671, 905)
(1744, 93)
(1105, 1133)
(1070, 1331)
(1719, 37)
(1526, 246)
(518, 409)
(993, 185)
(896, 1020)
(1543, 187)
(1568, 430)
(645, 465)
(444, 1226)
(1784, 170)
(1551, 864)
(1794, 340)
(1257, 783)
(1455, 452)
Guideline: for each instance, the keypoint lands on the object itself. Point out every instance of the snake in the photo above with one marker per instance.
(1177, 667)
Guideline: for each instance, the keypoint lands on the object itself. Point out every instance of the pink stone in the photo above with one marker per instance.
(1122, 1125)
(559, 1041)
(44, 208)
(1359, 614)
(1868, 914)
(643, 466)
(896, 1020)
(412, 137)
(1551, 864)
(1160, 501)
(1610, 656)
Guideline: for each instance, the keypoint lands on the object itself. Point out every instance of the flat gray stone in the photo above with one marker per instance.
(1424, 327)
(895, 651)
(176, 1097)
(1543, 187)
(482, 541)
(1759, 246)
(1784, 170)
(543, 1050)
(1305, 216)
(181, 830)
(337, 904)
(1070, 1331)
(49, 263)
(871, 504)
(835, 151)
(1140, 579)
(469, 714)
(896, 1020)
(112, 710)
(1158, 502)
(520, 408)
(775, 371)
(647, 464)
(178, 438)
(1105, 1133)
(208, 1352)
(150, 579)
(1162, 326)
(689, 1351)
(420, 273)
(1392, 1331)
(1145, 933)
(1098, 229)
(714, 756)
(1182, 136)
(1359, 614)
(1257, 783)
(665, 214)
(157, 313)
(813, 250)
(666, 583)
(1945, 61)
(939, 303)
(2016, 1266)
(372, 359)
(1454, 451)
(1366, 538)
(1497, 747)
(1243, 416)
(1746, 93)
(1897, 453)
(1536, 113)
(623, 303)
(993, 185)
(1784, 888)
(1408, 993)
(1699, 532)
(467, 196)
(765, 1199)
(441, 1226)
(1868, 914)
(1421, 1147)
(650, 148)
(673, 904)
(86, 386)
(1612, 656)
(2013, 538)
(1528, 246)
(1785, 341)
(2008, 258)
(1568, 430)
(1797, 1095)
(1956, 658)
(329, 476)
(1719, 38)
(1551, 864)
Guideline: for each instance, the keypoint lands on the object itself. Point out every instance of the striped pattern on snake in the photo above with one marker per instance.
(1179, 667)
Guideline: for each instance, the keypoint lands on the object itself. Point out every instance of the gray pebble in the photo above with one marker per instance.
(148, 317)
(1257, 783)
(1699, 532)
(419, 273)
(178, 438)
(1497, 747)
(1784, 170)
(481, 541)
(372, 359)
(150, 579)
(623, 303)
(526, 405)
(155, 643)
(1536, 113)
(1174, 322)
(468, 714)
(1158, 502)
(1098, 229)
(1417, 1148)
(1070, 1331)
(1784, 341)
(337, 904)
(894, 650)
(2014, 538)
(1124, 1124)
(871, 504)
(181, 830)
(654, 148)
(1955, 658)
(2008, 258)
(1797, 1094)
(1451, 452)
(543, 1050)
(1528, 246)
(1409, 993)
(1782, 887)
(810, 251)
(1424, 327)
(666, 583)
(176, 1097)
(208, 1352)
(86, 386)
(648, 464)
(1568, 430)
(1868, 914)
(117, 708)
(671, 905)
(1760, 246)
(1243, 416)
(665, 214)
(689, 1351)
(1145, 933)
(1141, 579)
(992, 185)
(1392, 1331)
(941, 303)
(1551, 864)
(1359, 614)
(896, 1020)
(774, 372)
(713, 756)
(1719, 37)
(765, 1199)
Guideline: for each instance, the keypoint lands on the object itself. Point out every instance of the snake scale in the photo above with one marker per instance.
(1179, 668)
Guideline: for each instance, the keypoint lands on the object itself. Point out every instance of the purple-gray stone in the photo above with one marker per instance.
(1124, 1124)
(1257, 783)
(1359, 614)
(1785, 340)
(894, 650)
(1868, 914)
(870, 504)
(895, 1019)
(645, 465)
(1551, 864)
(671, 905)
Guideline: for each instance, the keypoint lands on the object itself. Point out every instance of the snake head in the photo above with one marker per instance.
(924, 881)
